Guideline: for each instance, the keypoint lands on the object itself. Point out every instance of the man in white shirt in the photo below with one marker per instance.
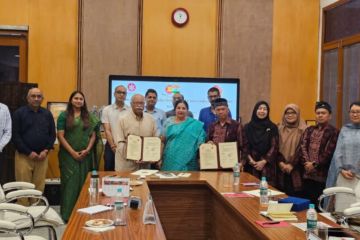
(5, 126)
(110, 119)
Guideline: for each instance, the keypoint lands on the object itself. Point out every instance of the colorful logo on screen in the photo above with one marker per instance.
(131, 87)
(171, 89)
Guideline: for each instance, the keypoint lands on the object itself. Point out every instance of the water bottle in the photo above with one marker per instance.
(119, 209)
(94, 188)
(149, 212)
(264, 198)
(236, 172)
(311, 221)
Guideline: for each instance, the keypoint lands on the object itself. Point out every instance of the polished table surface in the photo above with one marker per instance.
(187, 208)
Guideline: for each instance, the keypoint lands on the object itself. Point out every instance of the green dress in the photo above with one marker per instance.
(72, 172)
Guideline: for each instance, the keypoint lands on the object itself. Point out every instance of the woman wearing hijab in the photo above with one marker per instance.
(263, 138)
(290, 132)
(344, 169)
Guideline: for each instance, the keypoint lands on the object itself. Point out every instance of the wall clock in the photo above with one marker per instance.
(180, 17)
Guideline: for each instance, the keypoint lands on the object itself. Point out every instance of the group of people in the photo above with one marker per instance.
(298, 159)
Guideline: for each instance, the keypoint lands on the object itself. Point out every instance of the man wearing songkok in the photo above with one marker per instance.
(208, 115)
(317, 147)
(225, 129)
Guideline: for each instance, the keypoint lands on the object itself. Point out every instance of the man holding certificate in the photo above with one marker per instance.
(229, 135)
(136, 147)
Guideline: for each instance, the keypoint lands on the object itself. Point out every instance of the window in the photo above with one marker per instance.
(13, 54)
(340, 83)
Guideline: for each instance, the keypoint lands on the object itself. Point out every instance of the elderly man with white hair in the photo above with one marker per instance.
(134, 122)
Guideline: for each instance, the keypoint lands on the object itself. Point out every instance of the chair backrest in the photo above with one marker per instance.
(2, 194)
(343, 201)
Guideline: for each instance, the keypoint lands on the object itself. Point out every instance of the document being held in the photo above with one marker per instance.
(147, 149)
(225, 155)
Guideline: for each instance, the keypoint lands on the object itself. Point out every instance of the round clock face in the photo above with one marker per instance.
(180, 17)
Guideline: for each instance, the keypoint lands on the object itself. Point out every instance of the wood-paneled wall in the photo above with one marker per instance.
(52, 48)
(189, 51)
(294, 72)
(52, 55)
(109, 45)
(245, 49)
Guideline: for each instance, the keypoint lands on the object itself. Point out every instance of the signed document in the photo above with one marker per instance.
(147, 149)
(208, 156)
(228, 154)
(133, 148)
(151, 149)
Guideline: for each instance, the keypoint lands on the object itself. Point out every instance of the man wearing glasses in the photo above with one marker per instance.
(110, 120)
(33, 136)
(207, 115)
(135, 122)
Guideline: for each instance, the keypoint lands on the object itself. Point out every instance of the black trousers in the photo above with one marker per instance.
(109, 158)
(313, 190)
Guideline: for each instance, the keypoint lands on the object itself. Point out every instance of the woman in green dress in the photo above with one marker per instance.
(77, 133)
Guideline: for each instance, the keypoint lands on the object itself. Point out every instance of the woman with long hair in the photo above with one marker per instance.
(77, 133)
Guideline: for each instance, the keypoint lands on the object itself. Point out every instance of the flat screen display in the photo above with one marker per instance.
(193, 89)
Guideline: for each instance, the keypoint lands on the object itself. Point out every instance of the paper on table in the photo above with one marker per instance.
(151, 151)
(279, 208)
(184, 175)
(144, 172)
(208, 156)
(340, 238)
(99, 229)
(302, 225)
(133, 148)
(94, 209)
(166, 175)
(256, 192)
(236, 195)
(228, 154)
(250, 184)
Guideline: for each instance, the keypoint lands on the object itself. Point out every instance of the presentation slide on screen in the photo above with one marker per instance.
(195, 93)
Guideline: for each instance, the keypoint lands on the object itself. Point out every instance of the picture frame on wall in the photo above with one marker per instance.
(56, 108)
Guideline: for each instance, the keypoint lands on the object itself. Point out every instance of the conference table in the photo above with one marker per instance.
(187, 208)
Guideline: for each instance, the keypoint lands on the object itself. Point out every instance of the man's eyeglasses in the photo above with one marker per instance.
(121, 92)
(354, 112)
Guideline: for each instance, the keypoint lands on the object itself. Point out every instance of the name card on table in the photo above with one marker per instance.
(110, 186)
